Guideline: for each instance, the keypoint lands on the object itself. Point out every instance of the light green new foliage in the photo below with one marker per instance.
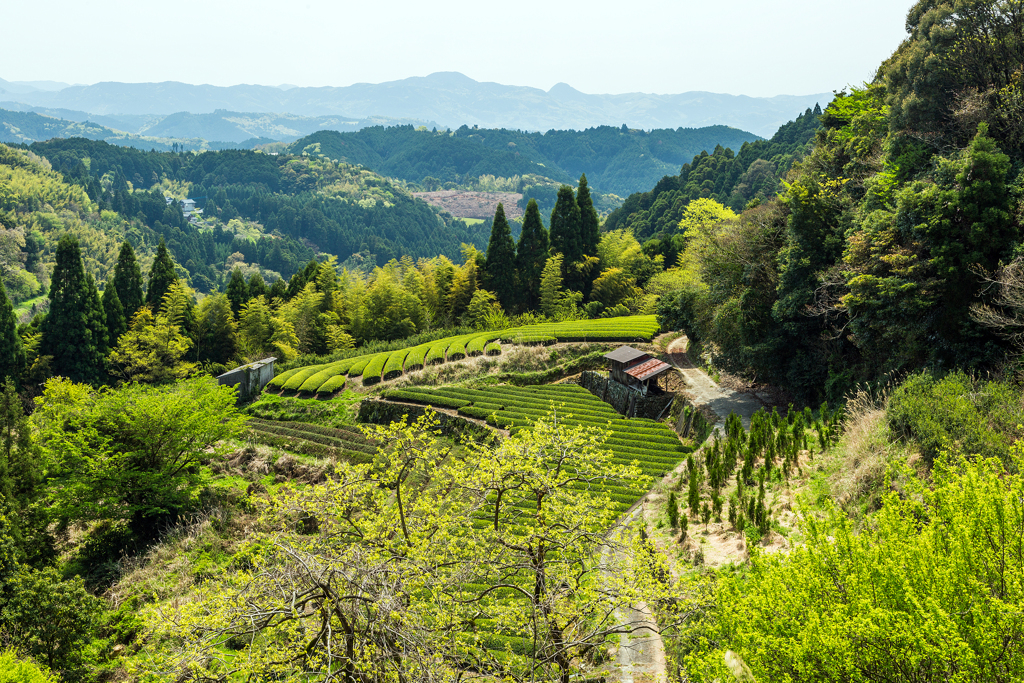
(417, 356)
(375, 368)
(333, 384)
(396, 362)
(284, 377)
(435, 356)
(931, 590)
(14, 670)
(314, 381)
(357, 368)
(297, 380)
(428, 562)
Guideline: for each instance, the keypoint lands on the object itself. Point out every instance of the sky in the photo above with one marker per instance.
(739, 47)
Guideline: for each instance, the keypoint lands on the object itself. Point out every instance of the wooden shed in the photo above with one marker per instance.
(635, 369)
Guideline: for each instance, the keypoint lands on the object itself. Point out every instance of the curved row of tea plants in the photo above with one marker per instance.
(330, 377)
(314, 440)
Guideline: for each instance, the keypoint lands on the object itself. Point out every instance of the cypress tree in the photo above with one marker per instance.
(113, 312)
(531, 254)
(128, 281)
(161, 277)
(590, 222)
(12, 353)
(565, 233)
(500, 266)
(238, 291)
(74, 331)
(257, 287)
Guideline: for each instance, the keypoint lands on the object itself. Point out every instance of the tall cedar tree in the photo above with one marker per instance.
(12, 353)
(238, 291)
(257, 286)
(74, 331)
(128, 281)
(500, 267)
(113, 314)
(565, 235)
(161, 277)
(531, 255)
(590, 222)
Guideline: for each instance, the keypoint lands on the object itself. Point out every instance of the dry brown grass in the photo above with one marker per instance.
(867, 454)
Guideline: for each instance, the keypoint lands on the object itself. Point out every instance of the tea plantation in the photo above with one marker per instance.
(328, 378)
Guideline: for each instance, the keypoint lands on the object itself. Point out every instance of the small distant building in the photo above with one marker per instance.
(169, 200)
(188, 206)
(636, 369)
(250, 378)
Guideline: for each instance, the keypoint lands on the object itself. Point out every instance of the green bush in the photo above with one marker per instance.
(334, 384)
(396, 362)
(435, 356)
(359, 366)
(15, 670)
(457, 350)
(312, 384)
(297, 380)
(416, 358)
(283, 377)
(979, 418)
(493, 349)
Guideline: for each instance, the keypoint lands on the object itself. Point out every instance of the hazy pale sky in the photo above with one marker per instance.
(748, 47)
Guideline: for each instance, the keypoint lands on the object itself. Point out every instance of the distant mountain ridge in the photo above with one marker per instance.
(449, 98)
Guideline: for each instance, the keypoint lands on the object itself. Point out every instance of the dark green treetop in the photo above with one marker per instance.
(531, 254)
(128, 281)
(12, 353)
(74, 331)
(238, 290)
(500, 267)
(161, 276)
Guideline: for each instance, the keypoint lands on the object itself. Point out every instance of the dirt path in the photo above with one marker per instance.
(641, 654)
(706, 392)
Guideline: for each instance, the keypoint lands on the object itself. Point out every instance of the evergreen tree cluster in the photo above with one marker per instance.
(515, 272)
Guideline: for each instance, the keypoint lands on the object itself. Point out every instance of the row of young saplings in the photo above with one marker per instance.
(770, 451)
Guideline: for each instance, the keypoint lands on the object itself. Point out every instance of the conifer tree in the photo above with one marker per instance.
(257, 287)
(128, 281)
(74, 331)
(565, 227)
(238, 291)
(531, 254)
(113, 312)
(161, 277)
(12, 353)
(590, 222)
(500, 267)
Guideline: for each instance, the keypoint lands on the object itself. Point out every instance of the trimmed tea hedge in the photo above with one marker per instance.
(375, 367)
(651, 446)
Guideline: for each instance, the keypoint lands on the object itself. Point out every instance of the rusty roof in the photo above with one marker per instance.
(648, 369)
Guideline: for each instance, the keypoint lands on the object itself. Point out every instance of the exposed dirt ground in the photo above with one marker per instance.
(473, 204)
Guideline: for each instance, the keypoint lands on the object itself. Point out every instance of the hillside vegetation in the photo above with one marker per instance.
(428, 491)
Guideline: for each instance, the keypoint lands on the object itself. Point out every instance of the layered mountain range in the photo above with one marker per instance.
(446, 99)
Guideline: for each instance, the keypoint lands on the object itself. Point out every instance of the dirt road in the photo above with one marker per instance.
(706, 392)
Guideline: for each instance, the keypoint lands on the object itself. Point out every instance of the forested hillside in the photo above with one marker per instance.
(884, 251)
(734, 180)
(617, 160)
(808, 469)
(274, 212)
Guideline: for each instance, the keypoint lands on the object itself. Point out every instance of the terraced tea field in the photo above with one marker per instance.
(328, 378)
(649, 445)
(310, 439)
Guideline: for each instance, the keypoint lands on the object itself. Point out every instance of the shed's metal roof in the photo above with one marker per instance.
(625, 354)
(648, 369)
